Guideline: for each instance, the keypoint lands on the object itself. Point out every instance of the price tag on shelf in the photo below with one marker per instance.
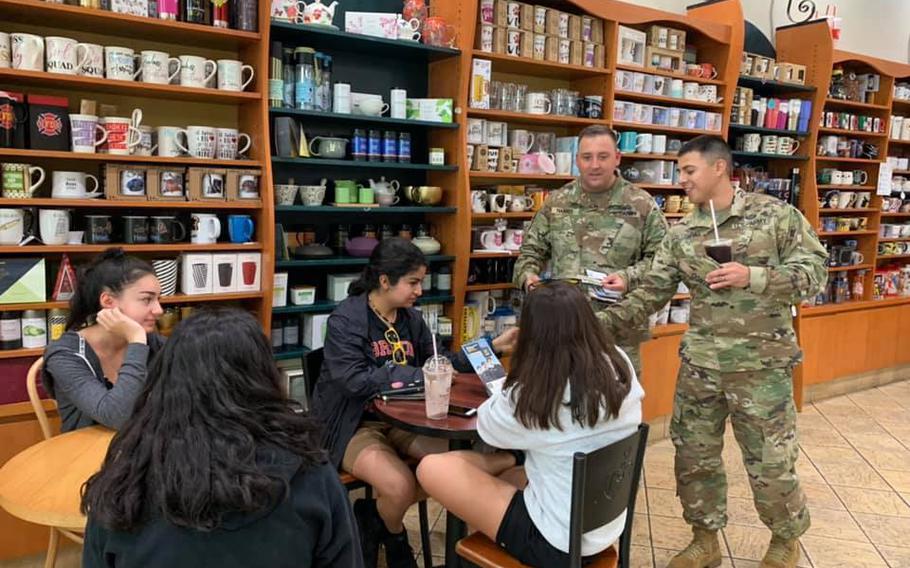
(884, 179)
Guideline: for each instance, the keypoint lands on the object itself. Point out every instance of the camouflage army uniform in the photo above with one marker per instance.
(615, 231)
(737, 356)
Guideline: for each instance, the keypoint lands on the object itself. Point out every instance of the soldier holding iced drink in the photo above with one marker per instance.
(745, 273)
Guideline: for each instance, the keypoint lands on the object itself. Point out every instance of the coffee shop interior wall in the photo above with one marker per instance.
(872, 27)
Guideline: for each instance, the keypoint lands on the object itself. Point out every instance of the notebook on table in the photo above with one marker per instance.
(485, 363)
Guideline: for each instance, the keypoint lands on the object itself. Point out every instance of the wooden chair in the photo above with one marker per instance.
(31, 385)
(312, 366)
(604, 483)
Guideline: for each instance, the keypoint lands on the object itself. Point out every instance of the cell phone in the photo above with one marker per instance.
(463, 411)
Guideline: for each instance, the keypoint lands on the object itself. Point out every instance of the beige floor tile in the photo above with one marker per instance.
(742, 511)
(664, 503)
(860, 424)
(750, 543)
(888, 459)
(807, 471)
(670, 533)
(832, 553)
(738, 486)
(641, 557)
(885, 418)
(874, 502)
(895, 556)
(641, 501)
(821, 495)
(821, 437)
(829, 523)
(865, 441)
(875, 402)
(882, 530)
(900, 432)
(660, 477)
(899, 480)
(838, 407)
(833, 455)
(641, 530)
(839, 466)
(412, 517)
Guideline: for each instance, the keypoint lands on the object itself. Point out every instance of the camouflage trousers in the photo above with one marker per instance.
(760, 406)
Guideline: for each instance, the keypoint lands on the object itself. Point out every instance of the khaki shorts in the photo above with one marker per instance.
(372, 433)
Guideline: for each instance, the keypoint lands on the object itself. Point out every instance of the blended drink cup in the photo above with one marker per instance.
(721, 250)
(437, 382)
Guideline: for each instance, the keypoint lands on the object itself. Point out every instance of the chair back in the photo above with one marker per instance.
(604, 484)
(312, 366)
(31, 385)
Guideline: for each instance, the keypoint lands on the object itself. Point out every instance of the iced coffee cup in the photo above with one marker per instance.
(437, 382)
(721, 250)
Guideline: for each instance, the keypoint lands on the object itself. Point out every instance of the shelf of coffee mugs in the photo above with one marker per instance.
(900, 172)
(503, 63)
(528, 118)
(164, 300)
(855, 305)
(863, 188)
(766, 86)
(510, 177)
(851, 268)
(325, 38)
(347, 261)
(846, 233)
(641, 156)
(764, 156)
(359, 118)
(661, 72)
(85, 156)
(126, 88)
(326, 306)
(150, 247)
(354, 210)
(830, 211)
(489, 287)
(506, 215)
(94, 20)
(668, 330)
(659, 128)
(854, 104)
(898, 141)
(894, 215)
(857, 133)
(325, 162)
(645, 98)
(763, 130)
(475, 254)
(894, 239)
(882, 257)
(123, 204)
(847, 160)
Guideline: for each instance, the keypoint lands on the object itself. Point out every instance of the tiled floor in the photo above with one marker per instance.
(855, 468)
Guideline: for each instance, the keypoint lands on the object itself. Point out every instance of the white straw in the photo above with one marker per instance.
(435, 353)
(714, 220)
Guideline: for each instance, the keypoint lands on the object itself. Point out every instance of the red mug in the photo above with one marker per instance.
(706, 71)
(437, 32)
(249, 272)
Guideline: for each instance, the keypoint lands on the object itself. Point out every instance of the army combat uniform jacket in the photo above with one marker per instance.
(734, 329)
(618, 230)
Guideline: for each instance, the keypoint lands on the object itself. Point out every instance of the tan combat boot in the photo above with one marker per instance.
(702, 552)
(781, 553)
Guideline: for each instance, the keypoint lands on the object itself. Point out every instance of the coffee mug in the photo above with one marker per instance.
(228, 141)
(512, 239)
(60, 54)
(479, 199)
(54, 226)
(132, 183)
(166, 229)
(156, 67)
(845, 199)
(644, 143)
(120, 63)
(751, 142)
(491, 239)
(170, 183)
(521, 203)
(90, 60)
(27, 51)
(213, 185)
(205, 228)
(537, 163)
(230, 75)
(521, 140)
(72, 185)
(860, 177)
(690, 91)
(628, 141)
(98, 229)
(201, 141)
(87, 134)
(196, 71)
(240, 228)
(563, 163)
(122, 136)
(787, 145)
(769, 144)
(673, 204)
(249, 186)
(499, 203)
(168, 145)
(17, 180)
(12, 225)
(538, 103)
(135, 229)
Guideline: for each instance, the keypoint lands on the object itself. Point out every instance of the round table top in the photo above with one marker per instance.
(411, 415)
(42, 484)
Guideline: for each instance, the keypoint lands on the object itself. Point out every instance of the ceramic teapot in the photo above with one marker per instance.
(318, 13)
(383, 186)
(427, 244)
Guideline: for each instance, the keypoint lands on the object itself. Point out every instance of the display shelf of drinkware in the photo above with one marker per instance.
(900, 102)
(489, 287)
(359, 118)
(862, 188)
(151, 247)
(126, 88)
(331, 210)
(645, 98)
(850, 234)
(851, 268)
(77, 18)
(510, 177)
(857, 133)
(120, 204)
(898, 141)
(763, 130)
(847, 160)
(366, 165)
(98, 157)
(494, 254)
(15, 353)
(668, 330)
(860, 211)
(503, 63)
(764, 86)
(640, 156)
(325, 306)
(890, 240)
(172, 299)
(899, 173)
(897, 215)
(854, 104)
(660, 128)
(761, 156)
(663, 73)
(325, 38)
(828, 309)
(347, 261)
(509, 215)
(290, 354)
(892, 257)
(528, 118)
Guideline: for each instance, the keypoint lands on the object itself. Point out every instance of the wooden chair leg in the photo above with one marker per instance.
(425, 547)
(51, 559)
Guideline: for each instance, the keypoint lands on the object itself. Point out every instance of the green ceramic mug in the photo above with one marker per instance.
(17, 180)
(365, 195)
(346, 191)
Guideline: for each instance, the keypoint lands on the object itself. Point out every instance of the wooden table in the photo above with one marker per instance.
(42, 484)
(411, 415)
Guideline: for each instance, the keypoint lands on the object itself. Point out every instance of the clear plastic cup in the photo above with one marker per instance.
(437, 382)
(720, 250)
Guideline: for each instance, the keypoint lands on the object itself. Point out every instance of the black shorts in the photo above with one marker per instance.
(521, 539)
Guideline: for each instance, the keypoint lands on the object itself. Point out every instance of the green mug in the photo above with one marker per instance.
(346, 191)
(365, 195)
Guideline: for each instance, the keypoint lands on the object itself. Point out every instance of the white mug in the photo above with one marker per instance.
(27, 51)
(230, 75)
(72, 185)
(84, 129)
(201, 141)
(132, 183)
(60, 53)
(752, 142)
(12, 226)
(5, 55)
(156, 67)
(228, 140)
(660, 143)
(563, 163)
(538, 103)
(521, 140)
(499, 202)
(213, 185)
(206, 228)
(690, 91)
(644, 143)
(122, 136)
(341, 103)
(54, 226)
(168, 147)
(491, 239)
(120, 63)
(407, 29)
(146, 146)
(398, 103)
(90, 60)
(512, 239)
(194, 70)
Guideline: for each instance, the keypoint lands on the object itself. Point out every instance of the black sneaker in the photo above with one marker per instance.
(398, 553)
(372, 530)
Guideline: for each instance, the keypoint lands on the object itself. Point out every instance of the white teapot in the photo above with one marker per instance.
(383, 186)
(318, 13)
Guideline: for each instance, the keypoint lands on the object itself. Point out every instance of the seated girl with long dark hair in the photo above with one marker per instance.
(97, 368)
(376, 338)
(217, 467)
(570, 390)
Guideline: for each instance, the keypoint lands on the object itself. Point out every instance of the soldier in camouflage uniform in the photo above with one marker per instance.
(739, 351)
(599, 221)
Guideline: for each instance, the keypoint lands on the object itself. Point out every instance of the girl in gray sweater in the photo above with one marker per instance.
(97, 368)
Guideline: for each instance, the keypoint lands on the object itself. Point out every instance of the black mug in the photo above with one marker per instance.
(13, 116)
(98, 229)
(135, 230)
(165, 230)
